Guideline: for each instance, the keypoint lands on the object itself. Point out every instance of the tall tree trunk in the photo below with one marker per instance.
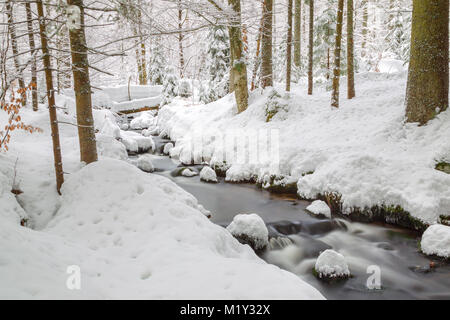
(15, 49)
(365, 25)
(266, 51)
(311, 47)
(34, 91)
(297, 33)
(289, 47)
(428, 77)
(82, 87)
(239, 68)
(258, 53)
(350, 52)
(337, 55)
(180, 39)
(51, 99)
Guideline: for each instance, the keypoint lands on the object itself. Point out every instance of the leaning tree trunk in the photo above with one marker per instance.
(82, 86)
(34, 91)
(350, 52)
(428, 77)
(266, 51)
(289, 48)
(239, 68)
(311, 47)
(337, 55)
(51, 98)
(15, 49)
(297, 33)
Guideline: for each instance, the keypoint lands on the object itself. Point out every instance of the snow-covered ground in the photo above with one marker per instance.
(132, 234)
(363, 151)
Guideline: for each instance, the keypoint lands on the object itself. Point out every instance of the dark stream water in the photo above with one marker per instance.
(297, 239)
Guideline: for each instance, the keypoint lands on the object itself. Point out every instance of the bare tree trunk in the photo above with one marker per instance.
(350, 52)
(266, 55)
(289, 48)
(258, 53)
(34, 91)
(428, 77)
(82, 87)
(297, 33)
(365, 25)
(51, 99)
(15, 49)
(239, 68)
(180, 39)
(311, 47)
(337, 55)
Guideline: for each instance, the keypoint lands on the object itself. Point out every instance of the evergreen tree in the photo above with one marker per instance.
(157, 64)
(170, 85)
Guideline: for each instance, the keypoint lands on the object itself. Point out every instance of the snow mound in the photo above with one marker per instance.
(189, 173)
(436, 241)
(208, 175)
(319, 207)
(144, 163)
(250, 229)
(135, 142)
(144, 121)
(167, 148)
(109, 147)
(332, 264)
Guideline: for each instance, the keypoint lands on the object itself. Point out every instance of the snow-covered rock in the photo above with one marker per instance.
(239, 173)
(135, 142)
(144, 163)
(125, 127)
(436, 241)
(319, 207)
(250, 229)
(331, 265)
(143, 121)
(208, 175)
(188, 173)
(167, 148)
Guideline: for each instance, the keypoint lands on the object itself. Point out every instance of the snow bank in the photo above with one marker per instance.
(250, 229)
(320, 207)
(436, 241)
(363, 151)
(208, 175)
(331, 264)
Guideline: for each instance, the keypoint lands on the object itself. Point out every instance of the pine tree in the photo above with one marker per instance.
(157, 63)
(170, 85)
(325, 31)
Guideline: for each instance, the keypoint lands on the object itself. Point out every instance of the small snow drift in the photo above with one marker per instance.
(319, 208)
(145, 163)
(208, 175)
(250, 229)
(436, 241)
(331, 265)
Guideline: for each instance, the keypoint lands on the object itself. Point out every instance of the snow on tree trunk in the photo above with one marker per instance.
(428, 77)
(266, 50)
(82, 84)
(350, 52)
(297, 33)
(289, 47)
(51, 98)
(337, 56)
(239, 67)
(311, 47)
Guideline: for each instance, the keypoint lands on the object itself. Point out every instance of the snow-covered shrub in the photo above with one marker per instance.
(331, 265)
(184, 88)
(275, 104)
(170, 85)
(157, 63)
(250, 229)
(145, 163)
(208, 175)
(436, 241)
(319, 208)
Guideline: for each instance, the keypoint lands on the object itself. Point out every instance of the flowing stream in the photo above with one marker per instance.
(297, 238)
